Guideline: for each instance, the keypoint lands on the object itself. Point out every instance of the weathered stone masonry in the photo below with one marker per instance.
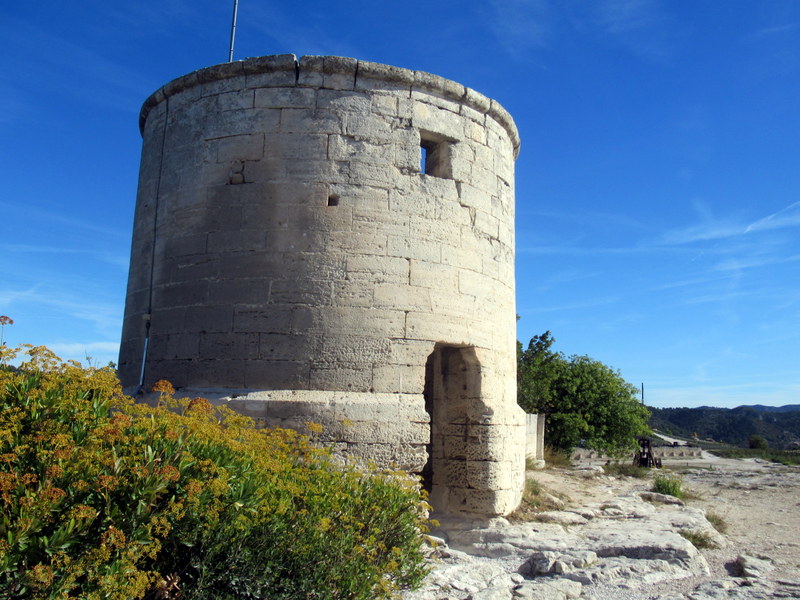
(331, 240)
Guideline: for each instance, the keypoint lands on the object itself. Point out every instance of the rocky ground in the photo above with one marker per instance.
(614, 540)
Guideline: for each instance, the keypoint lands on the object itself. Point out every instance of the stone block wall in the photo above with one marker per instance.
(534, 437)
(666, 452)
(343, 231)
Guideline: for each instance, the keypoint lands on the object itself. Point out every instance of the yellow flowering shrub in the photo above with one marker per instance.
(104, 498)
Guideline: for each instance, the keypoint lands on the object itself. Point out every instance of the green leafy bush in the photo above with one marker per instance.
(669, 484)
(104, 498)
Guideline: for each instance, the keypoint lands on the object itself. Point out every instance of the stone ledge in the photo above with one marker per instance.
(342, 69)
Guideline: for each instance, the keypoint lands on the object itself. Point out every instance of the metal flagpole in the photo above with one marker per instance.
(233, 29)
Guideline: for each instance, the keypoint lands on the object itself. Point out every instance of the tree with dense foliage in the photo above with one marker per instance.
(101, 498)
(584, 400)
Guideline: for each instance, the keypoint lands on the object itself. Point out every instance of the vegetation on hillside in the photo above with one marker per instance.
(585, 401)
(786, 457)
(734, 426)
(103, 498)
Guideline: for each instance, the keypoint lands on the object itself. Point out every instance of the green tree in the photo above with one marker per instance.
(584, 400)
(757, 442)
(538, 369)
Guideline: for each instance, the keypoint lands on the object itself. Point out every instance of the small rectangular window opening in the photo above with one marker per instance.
(333, 200)
(435, 155)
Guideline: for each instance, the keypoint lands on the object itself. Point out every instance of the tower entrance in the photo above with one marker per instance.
(452, 393)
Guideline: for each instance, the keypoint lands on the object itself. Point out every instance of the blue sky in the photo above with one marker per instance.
(658, 188)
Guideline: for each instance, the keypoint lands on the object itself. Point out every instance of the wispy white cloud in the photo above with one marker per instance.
(117, 260)
(303, 37)
(40, 249)
(690, 282)
(566, 249)
(711, 228)
(522, 25)
(32, 212)
(705, 370)
(103, 317)
(724, 396)
(590, 303)
(771, 31)
(575, 249)
(645, 28)
(94, 78)
(98, 353)
(728, 299)
(786, 217)
(626, 16)
(752, 262)
(27, 251)
(566, 276)
(10, 296)
(591, 218)
(164, 14)
(701, 233)
(622, 323)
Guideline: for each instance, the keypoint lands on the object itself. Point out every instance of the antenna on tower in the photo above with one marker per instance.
(233, 29)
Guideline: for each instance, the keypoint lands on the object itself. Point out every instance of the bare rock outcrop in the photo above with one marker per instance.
(631, 545)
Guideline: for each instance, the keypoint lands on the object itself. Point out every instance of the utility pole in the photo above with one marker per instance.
(233, 29)
(643, 392)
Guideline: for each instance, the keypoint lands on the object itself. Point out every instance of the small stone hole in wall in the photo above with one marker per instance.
(236, 174)
(333, 200)
(435, 155)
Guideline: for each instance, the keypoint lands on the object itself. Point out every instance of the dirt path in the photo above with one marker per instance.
(758, 501)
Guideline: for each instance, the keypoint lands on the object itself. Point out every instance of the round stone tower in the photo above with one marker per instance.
(331, 241)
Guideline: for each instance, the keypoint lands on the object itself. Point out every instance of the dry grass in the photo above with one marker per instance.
(531, 464)
(556, 458)
(535, 499)
(718, 522)
(699, 539)
(620, 469)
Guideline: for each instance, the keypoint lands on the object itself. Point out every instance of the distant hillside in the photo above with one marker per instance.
(780, 428)
(778, 409)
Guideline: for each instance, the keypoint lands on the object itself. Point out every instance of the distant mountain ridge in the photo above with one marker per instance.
(778, 409)
(779, 425)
